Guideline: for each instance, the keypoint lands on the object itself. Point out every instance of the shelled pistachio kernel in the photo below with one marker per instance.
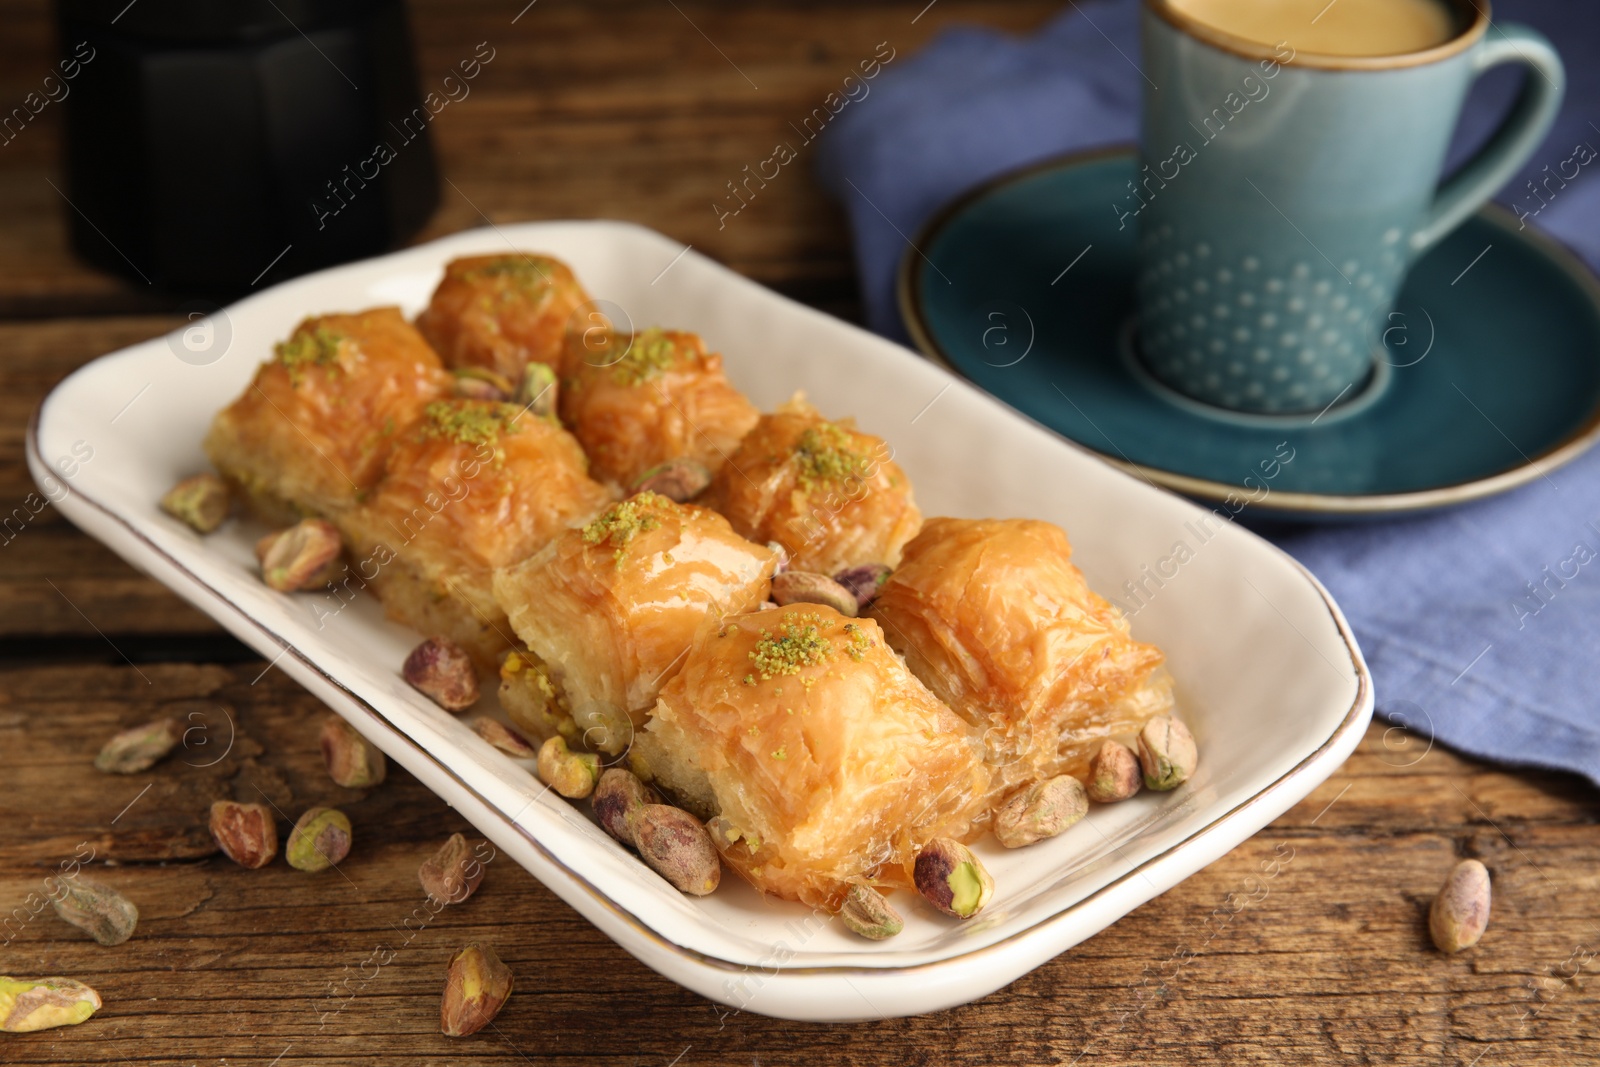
(1460, 913)
(864, 581)
(319, 840)
(679, 480)
(619, 798)
(453, 873)
(572, 774)
(1167, 753)
(1043, 809)
(504, 738)
(246, 833)
(353, 761)
(677, 847)
(1114, 773)
(97, 909)
(952, 879)
(539, 391)
(868, 913)
(476, 986)
(442, 670)
(202, 502)
(139, 748)
(808, 587)
(299, 557)
(29, 1004)
(480, 383)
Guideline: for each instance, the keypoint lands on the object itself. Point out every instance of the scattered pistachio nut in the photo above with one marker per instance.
(97, 909)
(618, 799)
(1043, 809)
(681, 479)
(572, 774)
(202, 502)
(677, 847)
(353, 761)
(782, 554)
(301, 557)
(1114, 773)
(442, 669)
(952, 879)
(538, 391)
(504, 738)
(29, 1004)
(867, 912)
(319, 840)
(452, 874)
(864, 581)
(476, 986)
(246, 833)
(481, 383)
(139, 748)
(807, 587)
(1460, 912)
(1167, 753)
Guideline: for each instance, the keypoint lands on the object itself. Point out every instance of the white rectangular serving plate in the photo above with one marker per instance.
(1268, 673)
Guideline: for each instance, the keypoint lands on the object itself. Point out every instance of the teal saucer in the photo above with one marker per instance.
(1489, 375)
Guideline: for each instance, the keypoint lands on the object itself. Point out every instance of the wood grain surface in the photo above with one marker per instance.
(643, 111)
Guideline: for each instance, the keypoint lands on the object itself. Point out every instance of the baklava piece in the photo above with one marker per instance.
(636, 401)
(502, 312)
(996, 619)
(608, 611)
(472, 486)
(312, 432)
(831, 495)
(819, 759)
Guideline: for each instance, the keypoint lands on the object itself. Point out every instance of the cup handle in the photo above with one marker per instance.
(1522, 131)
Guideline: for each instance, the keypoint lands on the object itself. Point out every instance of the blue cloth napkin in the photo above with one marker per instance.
(1481, 624)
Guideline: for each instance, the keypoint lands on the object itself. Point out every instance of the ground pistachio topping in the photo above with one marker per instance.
(826, 453)
(798, 643)
(474, 423)
(859, 641)
(650, 353)
(621, 523)
(308, 348)
(531, 271)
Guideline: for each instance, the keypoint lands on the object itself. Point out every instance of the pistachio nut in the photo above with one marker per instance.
(301, 557)
(29, 1004)
(572, 774)
(538, 392)
(476, 986)
(353, 761)
(481, 383)
(452, 874)
(868, 913)
(618, 799)
(677, 847)
(952, 879)
(97, 909)
(864, 581)
(246, 833)
(1114, 773)
(1043, 809)
(319, 840)
(681, 479)
(139, 748)
(201, 501)
(807, 587)
(1167, 753)
(1460, 912)
(442, 669)
(504, 738)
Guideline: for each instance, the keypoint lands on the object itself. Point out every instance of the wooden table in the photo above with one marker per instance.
(642, 110)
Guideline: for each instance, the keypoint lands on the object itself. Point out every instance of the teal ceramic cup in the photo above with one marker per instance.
(1282, 196)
